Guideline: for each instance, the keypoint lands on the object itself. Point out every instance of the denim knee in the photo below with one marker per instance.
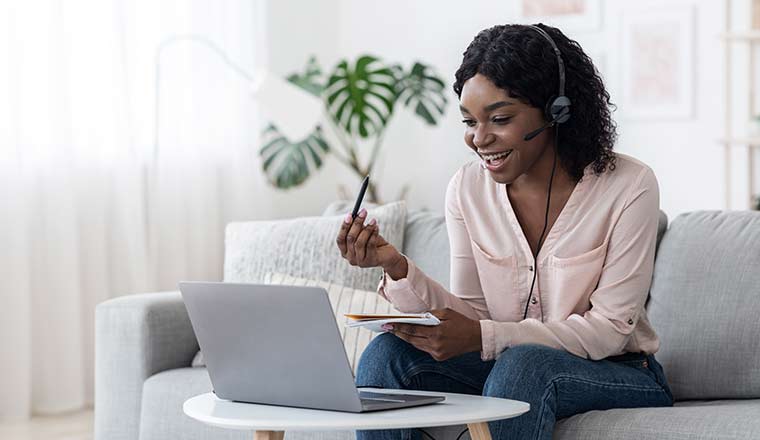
(383, 364)
(521, 369)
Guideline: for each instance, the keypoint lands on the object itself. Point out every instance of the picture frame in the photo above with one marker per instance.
(657, 62)
(568, 15)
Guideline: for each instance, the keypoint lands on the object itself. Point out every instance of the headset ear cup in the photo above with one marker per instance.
(560, 109)
(548, 108)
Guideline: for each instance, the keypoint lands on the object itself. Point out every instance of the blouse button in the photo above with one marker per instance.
(530, 268)
(630, 321)
(533, 301)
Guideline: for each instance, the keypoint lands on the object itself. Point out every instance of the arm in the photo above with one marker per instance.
(623, 287)
(136, 336)
(415, 292)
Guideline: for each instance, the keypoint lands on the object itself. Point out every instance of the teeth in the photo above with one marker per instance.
(497, 155)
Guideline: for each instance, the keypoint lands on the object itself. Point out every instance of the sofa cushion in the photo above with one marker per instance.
(304, 247)
(426, 242)
(162, 418)
(705, 302)
(343, 300)
(692, 420)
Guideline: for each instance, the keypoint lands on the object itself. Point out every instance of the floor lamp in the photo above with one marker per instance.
(294, 111)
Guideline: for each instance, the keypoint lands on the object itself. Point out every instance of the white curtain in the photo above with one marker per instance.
(89, 209)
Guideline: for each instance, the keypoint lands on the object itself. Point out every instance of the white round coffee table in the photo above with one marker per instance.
(271, 422)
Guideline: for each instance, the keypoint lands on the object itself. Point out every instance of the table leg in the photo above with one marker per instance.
(269, 435)
(479, 431)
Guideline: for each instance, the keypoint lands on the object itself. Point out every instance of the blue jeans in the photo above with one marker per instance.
(557, 384)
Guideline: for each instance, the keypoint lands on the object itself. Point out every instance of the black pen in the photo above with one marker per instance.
(359, 199)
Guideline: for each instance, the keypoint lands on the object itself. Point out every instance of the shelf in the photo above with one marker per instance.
(753, 141)
(751, 35)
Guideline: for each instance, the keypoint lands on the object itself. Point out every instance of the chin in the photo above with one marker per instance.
(501, 177)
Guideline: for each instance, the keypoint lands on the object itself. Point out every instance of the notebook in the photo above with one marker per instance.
(375, 322)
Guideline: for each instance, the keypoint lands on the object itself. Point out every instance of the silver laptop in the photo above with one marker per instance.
(279, 345)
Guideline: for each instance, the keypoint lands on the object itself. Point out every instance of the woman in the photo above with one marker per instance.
(552, 241)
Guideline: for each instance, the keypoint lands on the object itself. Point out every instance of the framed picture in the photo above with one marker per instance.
(657, 63)
(567, 15)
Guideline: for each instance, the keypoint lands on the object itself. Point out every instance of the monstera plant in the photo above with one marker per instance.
(359, 100)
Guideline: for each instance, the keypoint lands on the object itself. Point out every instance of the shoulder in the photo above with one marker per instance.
(629, 176)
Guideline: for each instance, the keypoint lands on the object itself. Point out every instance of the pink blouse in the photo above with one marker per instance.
(594, 268)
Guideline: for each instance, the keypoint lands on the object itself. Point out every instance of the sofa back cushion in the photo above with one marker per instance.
(305, 247)
(426, 242)
(705, 305)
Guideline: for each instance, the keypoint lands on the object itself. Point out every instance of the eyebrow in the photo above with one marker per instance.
(489, 107)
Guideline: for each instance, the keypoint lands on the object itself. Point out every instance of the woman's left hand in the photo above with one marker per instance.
(455, 335)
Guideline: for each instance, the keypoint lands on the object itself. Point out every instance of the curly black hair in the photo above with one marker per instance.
(519, 60)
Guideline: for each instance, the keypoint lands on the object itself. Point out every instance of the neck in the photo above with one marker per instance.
(536, 179)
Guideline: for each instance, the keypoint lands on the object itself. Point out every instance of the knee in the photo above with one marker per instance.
(523, 370)
(384, 362)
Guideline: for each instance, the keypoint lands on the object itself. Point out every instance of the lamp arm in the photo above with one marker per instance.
(163, 45)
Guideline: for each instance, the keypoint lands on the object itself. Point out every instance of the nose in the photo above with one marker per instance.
(481, 137)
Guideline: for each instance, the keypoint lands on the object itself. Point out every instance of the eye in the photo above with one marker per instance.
(468, 122)
(501, 120)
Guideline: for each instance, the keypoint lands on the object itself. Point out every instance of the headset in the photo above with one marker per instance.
(557, 111)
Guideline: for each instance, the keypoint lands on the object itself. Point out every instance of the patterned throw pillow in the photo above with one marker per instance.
(305, 247)
(343, 300)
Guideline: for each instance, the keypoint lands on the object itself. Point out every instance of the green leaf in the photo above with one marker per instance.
(311, 79)
(422, 91)
(285, 163)
(360, 98)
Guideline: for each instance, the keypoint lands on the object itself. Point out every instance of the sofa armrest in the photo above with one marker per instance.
(136, 336)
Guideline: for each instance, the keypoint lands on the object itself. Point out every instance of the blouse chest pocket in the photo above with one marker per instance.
(498, 279)
(577, 276)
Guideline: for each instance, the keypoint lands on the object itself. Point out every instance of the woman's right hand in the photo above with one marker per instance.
(362, 245)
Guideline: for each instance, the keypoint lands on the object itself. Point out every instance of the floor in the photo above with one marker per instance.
(71, 426)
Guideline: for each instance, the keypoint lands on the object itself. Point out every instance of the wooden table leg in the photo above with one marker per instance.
(479, 431)
(269, 435)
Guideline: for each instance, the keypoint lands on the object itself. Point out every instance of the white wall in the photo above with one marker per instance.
(683, 153)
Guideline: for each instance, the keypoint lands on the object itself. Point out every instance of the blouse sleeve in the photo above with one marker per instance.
(419, 293)
(617, 302)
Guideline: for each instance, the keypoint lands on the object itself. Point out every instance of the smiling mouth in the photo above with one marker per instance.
(496, 158)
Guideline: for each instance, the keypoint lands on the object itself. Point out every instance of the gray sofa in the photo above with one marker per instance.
(704, 304)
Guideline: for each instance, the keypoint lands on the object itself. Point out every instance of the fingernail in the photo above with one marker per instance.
(387, 327)
(363, 213)
(348, 219)
(373, 221)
